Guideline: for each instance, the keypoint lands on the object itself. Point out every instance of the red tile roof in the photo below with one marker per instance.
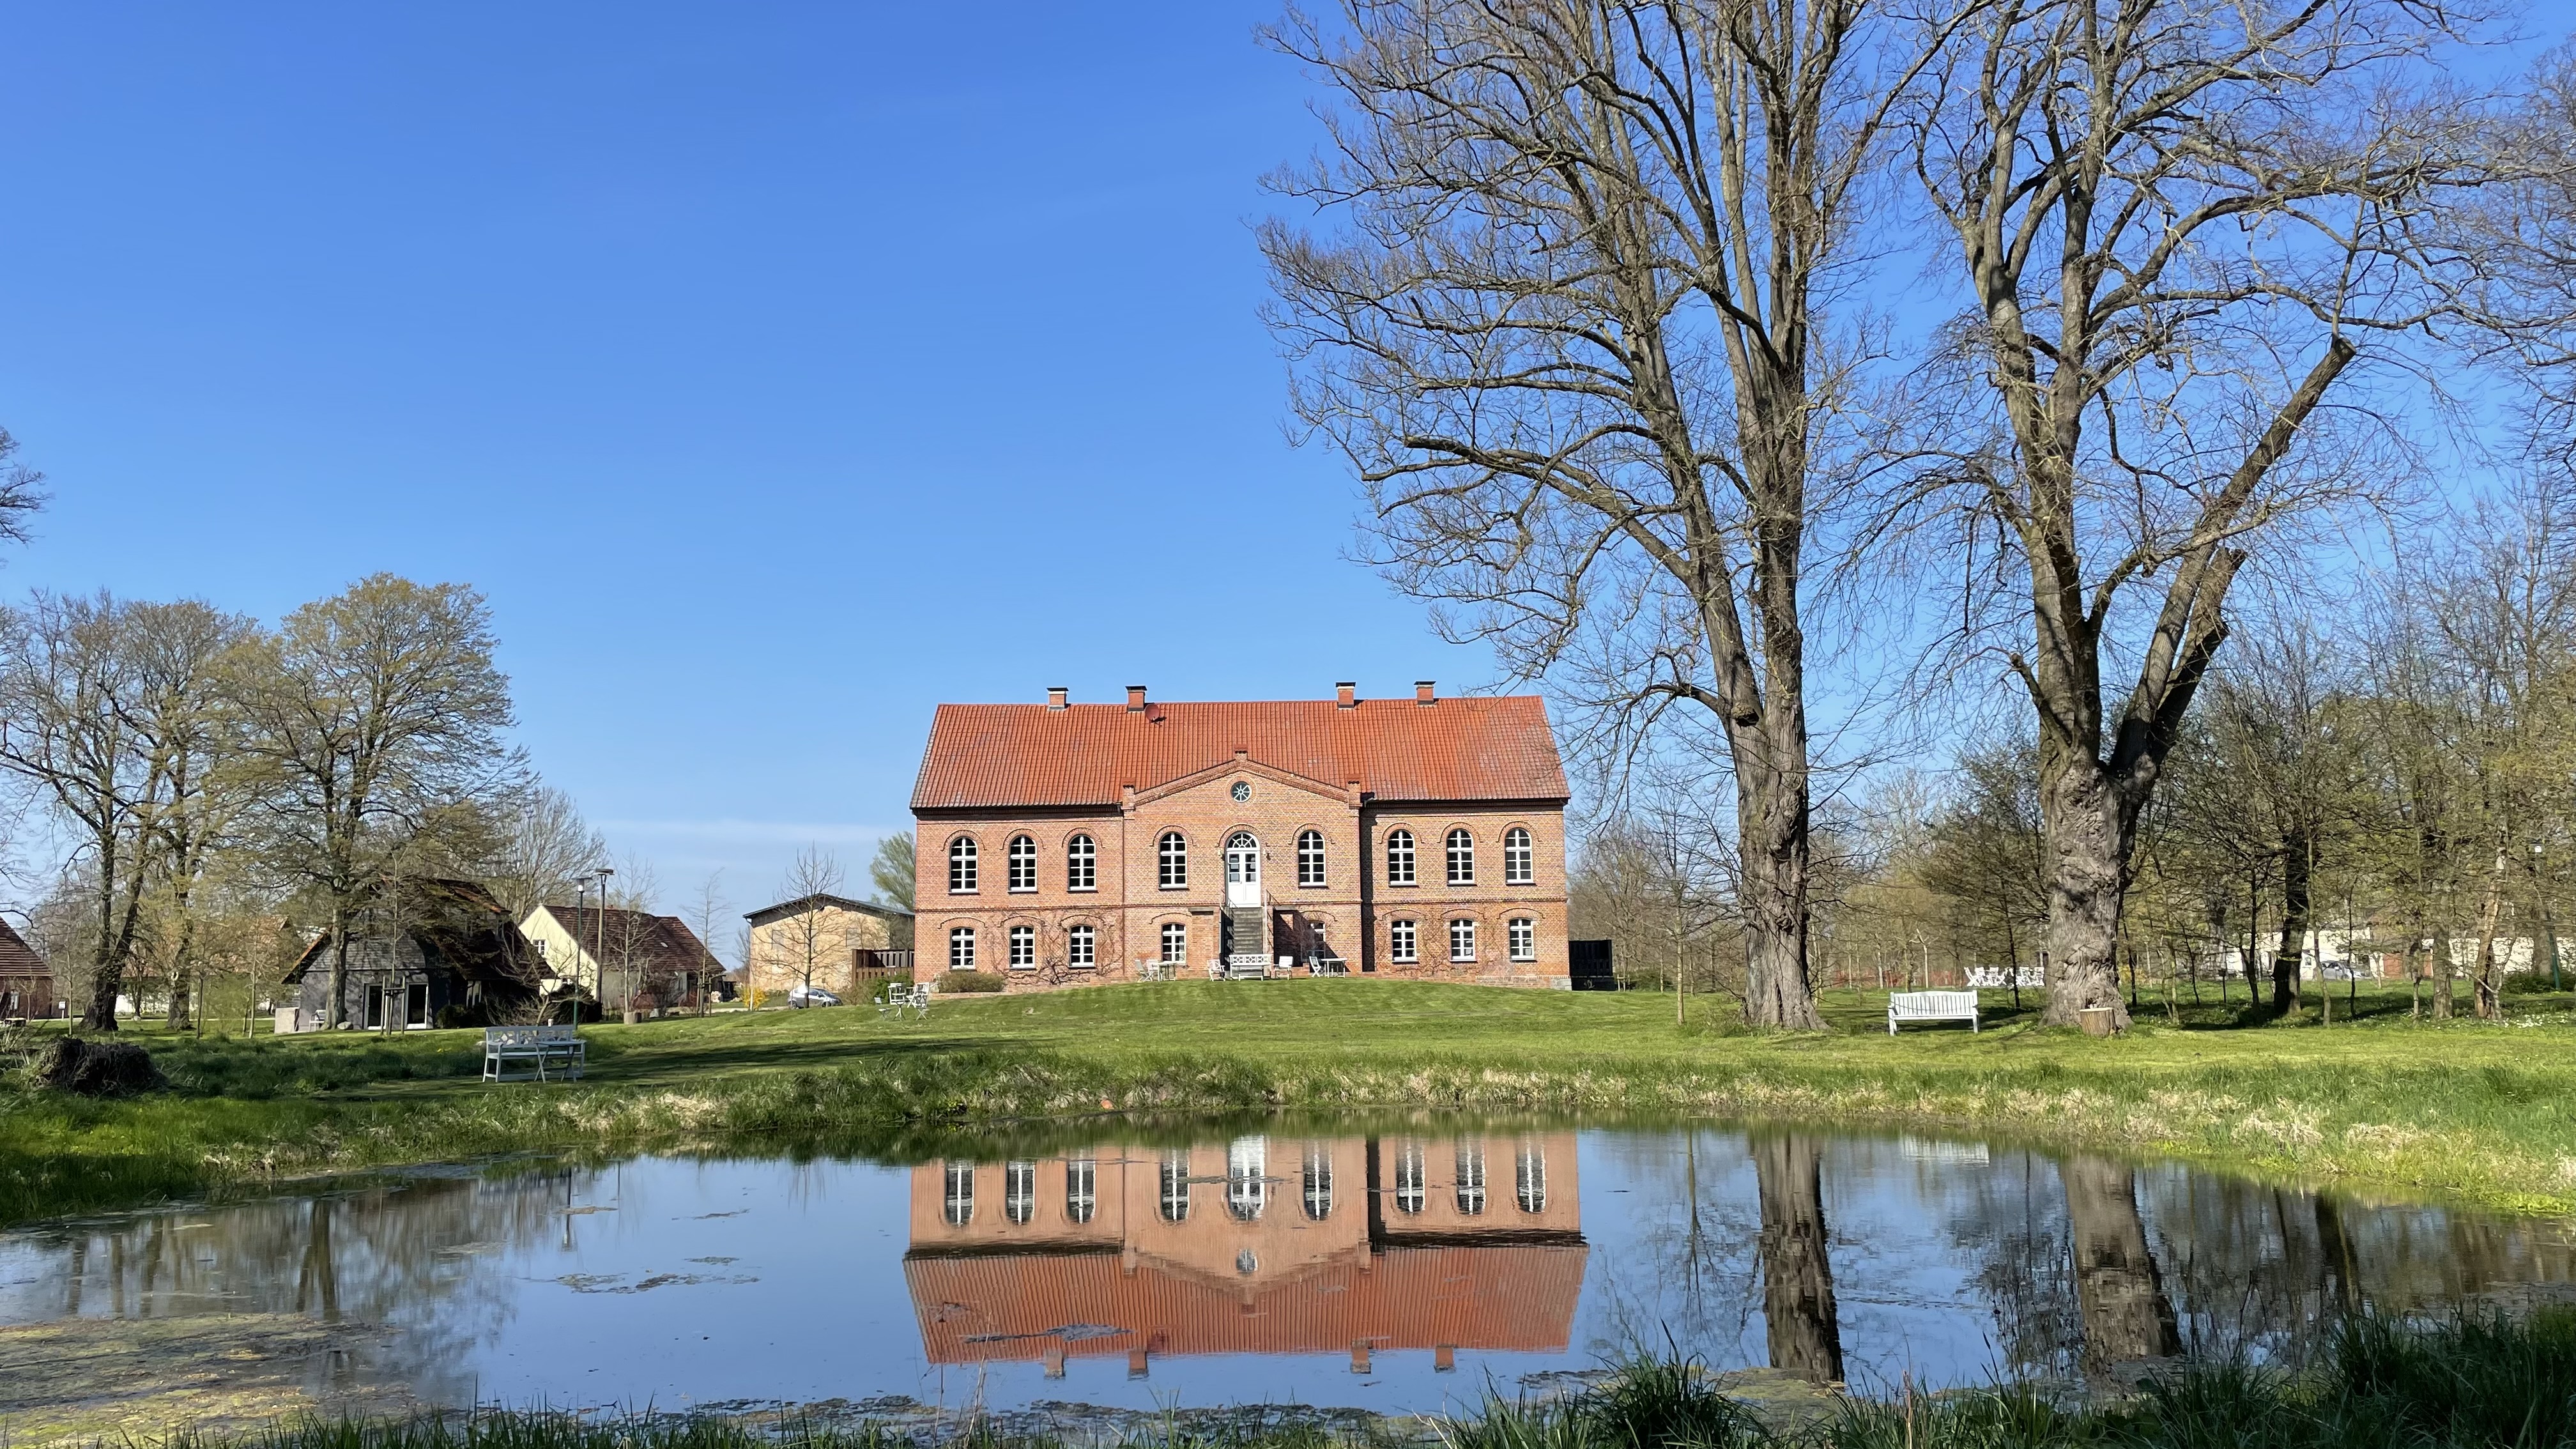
(1001, 756)
(1018, 1306)
(17, 958)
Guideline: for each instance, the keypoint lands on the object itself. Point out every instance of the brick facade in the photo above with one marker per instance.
(1351, 915)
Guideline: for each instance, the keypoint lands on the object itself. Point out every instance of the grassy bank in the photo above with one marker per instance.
(2463, 1110)
(2482, 1385)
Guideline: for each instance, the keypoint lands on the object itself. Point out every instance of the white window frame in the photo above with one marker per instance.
(1022, 868)
(1524, 938)
(1520, 858)
(963, 876)
(1403, 942)
(961, 948)
(1462, 934)
(1172, 861)
(1471, 1179)
(1412, 1186)
(957, 1202)
(1316, 1183)
(1082, 947)
(1461, 848)
(1310, 858)
(1173, 1187)
(1023, 954)
(1399, 857)
(1082, 864)
(1020, 1190)
(1529, 1177)
(1081, 1189)
(1176, 943)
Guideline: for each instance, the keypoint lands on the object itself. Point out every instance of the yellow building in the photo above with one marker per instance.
(841, 945)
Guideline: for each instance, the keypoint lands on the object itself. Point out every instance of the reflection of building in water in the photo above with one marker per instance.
(1263, 1245)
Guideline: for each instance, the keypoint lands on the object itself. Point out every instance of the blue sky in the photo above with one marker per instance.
(778, 371)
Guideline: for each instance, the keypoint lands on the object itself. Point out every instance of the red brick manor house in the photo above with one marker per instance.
(1064, 844)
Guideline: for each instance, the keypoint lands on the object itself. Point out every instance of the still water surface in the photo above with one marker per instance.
(1399, 1271)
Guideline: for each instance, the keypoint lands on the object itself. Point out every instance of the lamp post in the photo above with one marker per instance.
(599, 936)
(580, 897)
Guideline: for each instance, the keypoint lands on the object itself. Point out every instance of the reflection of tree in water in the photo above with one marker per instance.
(1797, 1274)
(1684, 1278)
(2126, 1314)
(2265, 1270)
(2013, 1229)
(425, 1255)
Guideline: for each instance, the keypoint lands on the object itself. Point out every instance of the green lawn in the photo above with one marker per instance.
(2466, 1110)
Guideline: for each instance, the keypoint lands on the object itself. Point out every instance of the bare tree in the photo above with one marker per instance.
(1573, 344)
(21, 491)
(72, 723)
(2178, 222)
(375, 718)
(545, 845)
(800, 943)
(183, 716)
(708, 909)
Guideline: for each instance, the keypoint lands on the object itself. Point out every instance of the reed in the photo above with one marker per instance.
(2471, 1384)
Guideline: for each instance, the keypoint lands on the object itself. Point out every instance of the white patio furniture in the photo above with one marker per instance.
(532, 1053)
(1904, 1006)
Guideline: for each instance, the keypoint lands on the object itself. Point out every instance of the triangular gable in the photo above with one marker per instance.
(1246, 765)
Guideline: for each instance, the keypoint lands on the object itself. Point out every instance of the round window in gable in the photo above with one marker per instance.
(1242, 791)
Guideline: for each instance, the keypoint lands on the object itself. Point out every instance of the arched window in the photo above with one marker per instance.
(1462, 940)
(1081, 864)
(1176, 1187)
(961, 948)
(1399, 857)
(957, 1205)
(1471, 1179)
(1529, 1178)
(1400, 945)
(1409, 1191)
(1310, 857)
(1462, 857)
(1247, 1178)
(1081, 1189)
(1024, 948)
(1524, 932)
(1024, 863)
(1317, 1182)
(1172, 857)
(1019, 1191)
(1081, 949)
(1520, 863)
(1176, 943)
(961, 866)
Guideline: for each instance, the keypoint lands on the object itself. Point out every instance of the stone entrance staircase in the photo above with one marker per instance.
(1247, 934)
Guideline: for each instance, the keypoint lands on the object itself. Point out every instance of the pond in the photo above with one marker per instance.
(1409, 1269)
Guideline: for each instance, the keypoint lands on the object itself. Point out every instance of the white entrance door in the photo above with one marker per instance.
(1242, 870)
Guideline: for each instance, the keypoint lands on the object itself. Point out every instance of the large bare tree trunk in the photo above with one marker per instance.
(2482, 987)
(2442, 973)
(2089, 843)
(336, 1012)
(1798, 1309)
(1772, 824)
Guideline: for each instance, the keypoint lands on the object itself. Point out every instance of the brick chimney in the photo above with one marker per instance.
(1055, 696)
(1424, 692)
(1135, 697)
(1346, 694)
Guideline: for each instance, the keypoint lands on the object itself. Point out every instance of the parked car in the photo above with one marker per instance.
(801, 997)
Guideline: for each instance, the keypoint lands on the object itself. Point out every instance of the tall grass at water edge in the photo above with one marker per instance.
(2474, 1384)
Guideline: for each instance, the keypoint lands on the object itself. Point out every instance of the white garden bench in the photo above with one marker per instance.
(519, 1053)
(1905, 1006)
